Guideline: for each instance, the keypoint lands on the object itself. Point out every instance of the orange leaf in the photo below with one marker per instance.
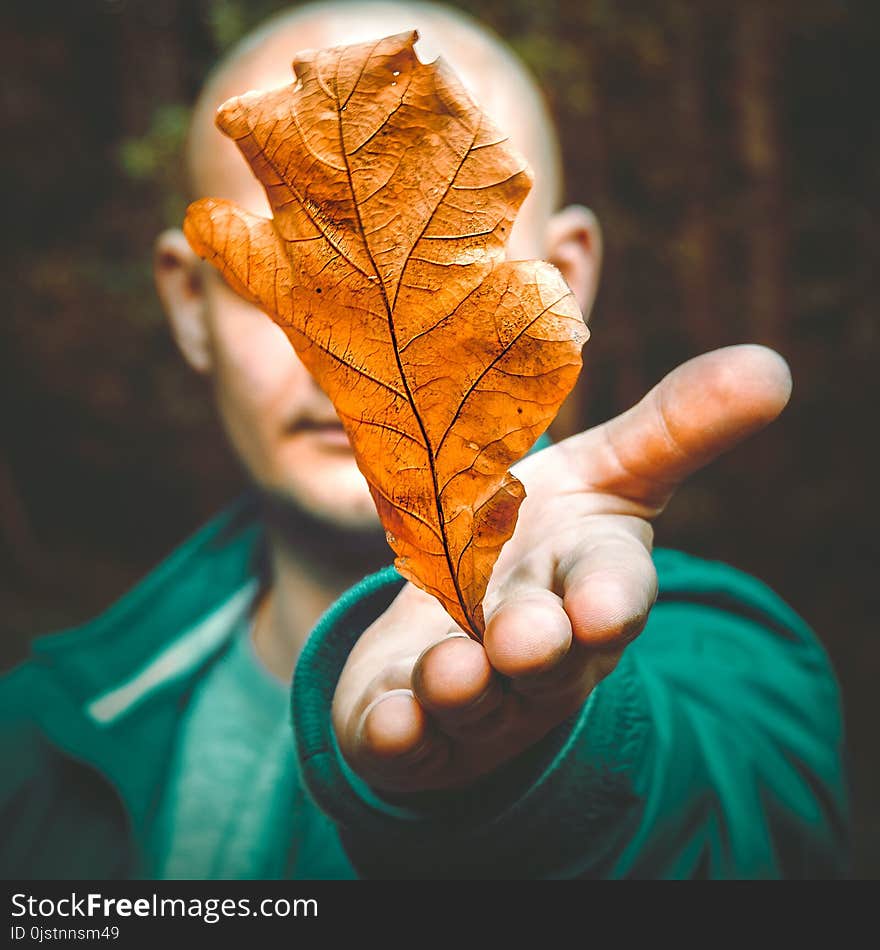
(384, 263)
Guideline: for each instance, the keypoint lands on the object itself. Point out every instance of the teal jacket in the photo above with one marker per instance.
(714, 750)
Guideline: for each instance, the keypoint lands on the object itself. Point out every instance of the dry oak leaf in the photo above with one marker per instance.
(392, 197)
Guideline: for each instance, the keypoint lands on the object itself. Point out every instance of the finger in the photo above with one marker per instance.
(609, 585)
(396, 747)
(383, 658)
(395, 676)
(698, 411)
(528, 634)
(392, 726)
(455, 682)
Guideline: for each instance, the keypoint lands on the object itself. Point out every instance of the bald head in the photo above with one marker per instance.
(279, 422)
(497, 80)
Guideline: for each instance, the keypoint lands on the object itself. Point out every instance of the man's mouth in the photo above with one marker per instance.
(328, 432)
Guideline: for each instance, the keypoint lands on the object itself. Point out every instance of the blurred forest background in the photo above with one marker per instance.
(731, 152)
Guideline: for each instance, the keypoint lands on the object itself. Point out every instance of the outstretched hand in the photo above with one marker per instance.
(420, 706)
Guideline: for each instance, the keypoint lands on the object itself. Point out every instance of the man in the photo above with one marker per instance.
(593, 733)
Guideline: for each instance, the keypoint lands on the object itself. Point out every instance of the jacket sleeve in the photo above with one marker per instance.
(715, 749)
(59, 819)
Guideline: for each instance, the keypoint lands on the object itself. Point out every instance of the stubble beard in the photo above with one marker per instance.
(332, 551)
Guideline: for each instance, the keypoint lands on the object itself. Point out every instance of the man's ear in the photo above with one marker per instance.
(179, 282)
(574, 245)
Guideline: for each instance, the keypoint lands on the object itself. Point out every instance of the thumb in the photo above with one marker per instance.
(245, 248)
(700, 410)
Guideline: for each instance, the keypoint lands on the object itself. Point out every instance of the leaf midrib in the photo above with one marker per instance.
(391, 329)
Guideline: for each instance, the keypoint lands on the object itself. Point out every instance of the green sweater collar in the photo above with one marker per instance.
(109, 693)
(166, 625)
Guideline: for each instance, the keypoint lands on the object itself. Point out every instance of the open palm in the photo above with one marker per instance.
(420, 706)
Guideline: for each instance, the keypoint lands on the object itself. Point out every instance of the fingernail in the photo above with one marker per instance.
(417, 753)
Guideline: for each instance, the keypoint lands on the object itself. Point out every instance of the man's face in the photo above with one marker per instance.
(281, 424)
